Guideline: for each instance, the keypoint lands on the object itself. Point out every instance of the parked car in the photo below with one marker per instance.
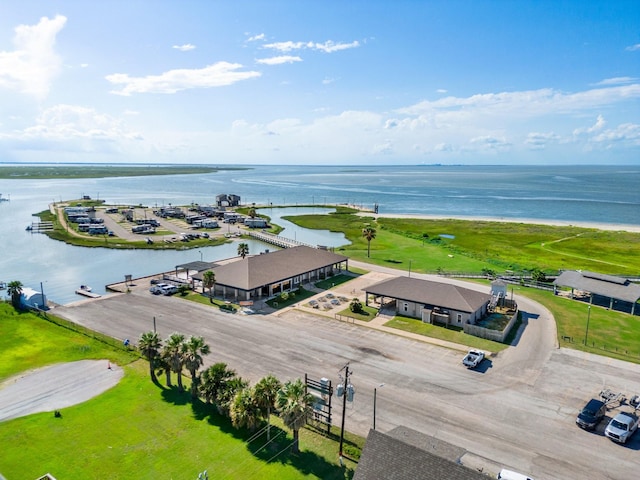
(473, 358)
(591, 414)
(511, 475)
(162, 289)
(622, 427)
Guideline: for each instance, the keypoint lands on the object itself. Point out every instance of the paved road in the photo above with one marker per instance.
(518, 410)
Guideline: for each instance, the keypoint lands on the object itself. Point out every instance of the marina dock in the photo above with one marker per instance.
(87, 293)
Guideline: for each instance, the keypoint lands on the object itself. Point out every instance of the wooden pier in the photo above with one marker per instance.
(277, 240)
(39, 227)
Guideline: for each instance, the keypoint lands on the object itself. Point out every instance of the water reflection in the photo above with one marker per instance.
(305, 235)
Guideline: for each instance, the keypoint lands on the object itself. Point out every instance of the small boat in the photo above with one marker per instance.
(29, 228)
(85, 288)
(3, 285)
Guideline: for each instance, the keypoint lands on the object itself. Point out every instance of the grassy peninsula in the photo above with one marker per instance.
(101, 171)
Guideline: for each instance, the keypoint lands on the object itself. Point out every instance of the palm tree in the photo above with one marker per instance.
(228, 393)
(245, 411)
(295, 406)
(149, 345)
(173, 355)
(266, 393)
(243, 250)
(252, 212)
(14, 289)
(214, 380)
(163, 365)
(192, 352)
(209, 281)
(369, 233)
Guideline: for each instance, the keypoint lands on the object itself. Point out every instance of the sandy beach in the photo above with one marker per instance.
(616, 227)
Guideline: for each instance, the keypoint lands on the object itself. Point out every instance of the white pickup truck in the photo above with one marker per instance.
(622, 427)
(473, 358)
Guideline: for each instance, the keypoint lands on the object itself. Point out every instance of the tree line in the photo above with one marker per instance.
(247, 406)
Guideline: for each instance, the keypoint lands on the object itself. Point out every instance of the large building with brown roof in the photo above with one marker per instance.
(432, 302)
(268, 274)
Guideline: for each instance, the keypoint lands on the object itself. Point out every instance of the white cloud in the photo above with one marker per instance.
(626, 133)
(539, 141)
(33, 65)
(279, 60)
(599, 125)
(525, 104)
(617, 81)
(633, 48)
(441, 90)
(327, 47)
(328, 81)
(184, 48)
(74, 128)
(256, 38)
(216, 75)
(488, 143)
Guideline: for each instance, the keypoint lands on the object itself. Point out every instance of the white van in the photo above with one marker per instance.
(509, 475)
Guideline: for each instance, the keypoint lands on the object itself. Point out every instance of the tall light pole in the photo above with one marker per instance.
(586, 333)
(200, 255)
(375, 394)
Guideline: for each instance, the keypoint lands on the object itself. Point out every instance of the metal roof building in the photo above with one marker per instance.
(270, 273)
(405, 454)
(432, 301)
(597, 284)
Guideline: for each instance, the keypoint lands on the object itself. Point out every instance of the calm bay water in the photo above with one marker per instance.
(601, 194)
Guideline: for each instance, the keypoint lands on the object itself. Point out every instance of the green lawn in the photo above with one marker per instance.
(137, 429)
(449, 334)
(612, 334)
(417, 244)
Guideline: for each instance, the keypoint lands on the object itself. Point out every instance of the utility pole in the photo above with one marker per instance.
(346, 392)
(586, 333)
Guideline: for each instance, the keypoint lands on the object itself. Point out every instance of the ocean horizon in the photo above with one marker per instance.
(549, 194)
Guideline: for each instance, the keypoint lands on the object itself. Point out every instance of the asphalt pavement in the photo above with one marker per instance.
(516, 411)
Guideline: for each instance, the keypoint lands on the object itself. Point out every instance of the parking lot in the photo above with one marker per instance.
(517, 411)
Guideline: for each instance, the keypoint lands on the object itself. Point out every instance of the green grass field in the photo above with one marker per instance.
(137, 429)
(417, 245)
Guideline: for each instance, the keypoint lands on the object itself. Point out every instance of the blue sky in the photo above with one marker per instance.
(320, 82)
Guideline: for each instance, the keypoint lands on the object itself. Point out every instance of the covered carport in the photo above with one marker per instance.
(615, 293)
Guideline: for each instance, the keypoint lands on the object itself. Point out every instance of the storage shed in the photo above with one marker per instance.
(31, 298)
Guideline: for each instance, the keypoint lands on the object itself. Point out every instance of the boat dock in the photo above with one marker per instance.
(38, 227)
(277, 240)
(87, 293)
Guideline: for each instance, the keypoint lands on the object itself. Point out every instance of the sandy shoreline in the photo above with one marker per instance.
(534, 221)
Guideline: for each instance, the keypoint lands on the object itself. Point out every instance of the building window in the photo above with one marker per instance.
(459, 318)
(406, 307)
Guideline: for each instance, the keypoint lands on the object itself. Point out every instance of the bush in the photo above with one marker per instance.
(356, 306)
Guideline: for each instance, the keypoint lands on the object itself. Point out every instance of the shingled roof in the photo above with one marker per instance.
(411, 455)
(427, 292)
(260, 270)
(606, 285)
